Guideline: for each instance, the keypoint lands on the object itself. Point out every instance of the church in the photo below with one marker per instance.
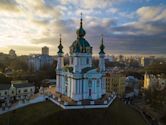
(80, 80)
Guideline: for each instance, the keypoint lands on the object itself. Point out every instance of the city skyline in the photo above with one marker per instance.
(137, 29)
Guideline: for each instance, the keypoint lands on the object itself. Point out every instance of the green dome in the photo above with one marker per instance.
(80, 32)
(80, 45)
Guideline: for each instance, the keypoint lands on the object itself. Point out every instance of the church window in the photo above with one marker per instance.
(98, 82)
(79, 87)
(65, 78)
(90, 83)
(71, 60)
(87, 61)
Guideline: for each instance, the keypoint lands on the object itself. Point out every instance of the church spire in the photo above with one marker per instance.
(81, 32)
(60, 47)
(81, 21)
(102, 47)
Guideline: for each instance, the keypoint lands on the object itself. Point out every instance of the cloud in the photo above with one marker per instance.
(38, 9)
(9, 5)
(141, 28)
(39, 23)
(89, 4)
(151, 21)
(152, 13)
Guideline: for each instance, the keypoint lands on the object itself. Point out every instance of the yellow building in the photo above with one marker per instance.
(115, 82)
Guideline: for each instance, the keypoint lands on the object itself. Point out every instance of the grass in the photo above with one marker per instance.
(48, 113)
(29, 115)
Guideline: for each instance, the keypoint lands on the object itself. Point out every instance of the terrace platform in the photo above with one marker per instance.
(68, 103)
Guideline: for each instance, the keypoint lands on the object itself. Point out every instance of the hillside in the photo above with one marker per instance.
(47, 113)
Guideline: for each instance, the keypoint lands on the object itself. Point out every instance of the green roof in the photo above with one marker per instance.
(80, 45)
(81, 42)
(84, 70)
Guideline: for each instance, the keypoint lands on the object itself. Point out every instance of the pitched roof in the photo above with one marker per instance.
(4, 86)
(22, 85)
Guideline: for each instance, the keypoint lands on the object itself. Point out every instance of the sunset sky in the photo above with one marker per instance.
(129, 26)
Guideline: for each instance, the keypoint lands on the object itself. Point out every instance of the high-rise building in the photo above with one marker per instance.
(45, 50)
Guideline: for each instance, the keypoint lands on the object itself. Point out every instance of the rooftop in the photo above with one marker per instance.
(4, 86)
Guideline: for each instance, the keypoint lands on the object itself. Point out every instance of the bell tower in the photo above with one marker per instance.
(101, 57)
(60, 59)
(60, 65)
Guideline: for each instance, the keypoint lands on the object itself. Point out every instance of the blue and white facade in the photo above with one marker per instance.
(80, 80)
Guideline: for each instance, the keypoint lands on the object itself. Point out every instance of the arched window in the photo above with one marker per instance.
(90, 83)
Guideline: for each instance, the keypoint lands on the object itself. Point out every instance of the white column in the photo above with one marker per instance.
(102, 62)
(57, 83)
(60, 61)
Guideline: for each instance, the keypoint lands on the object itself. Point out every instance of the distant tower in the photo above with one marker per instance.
(142, 61)
(60, 60)
(102, 57)
(45, 50)
(12, 53)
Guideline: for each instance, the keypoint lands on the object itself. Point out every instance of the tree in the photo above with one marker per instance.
(2, 67)
(18, 65)
(4, 79)
(156, 68)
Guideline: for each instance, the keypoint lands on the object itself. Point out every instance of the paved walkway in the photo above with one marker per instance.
(18, 105)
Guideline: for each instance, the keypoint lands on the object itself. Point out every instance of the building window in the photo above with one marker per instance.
(5, 92)
(12, 92)
(31, 90)
(25, 90)
(19, 91)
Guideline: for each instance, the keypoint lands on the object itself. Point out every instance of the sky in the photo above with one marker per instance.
(130, 27)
